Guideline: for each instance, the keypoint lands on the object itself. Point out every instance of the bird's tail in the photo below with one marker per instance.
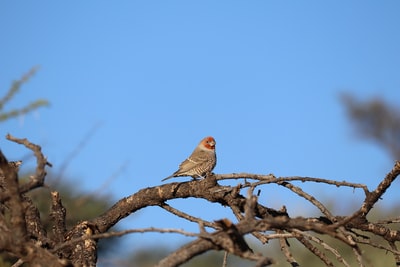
(166, 178)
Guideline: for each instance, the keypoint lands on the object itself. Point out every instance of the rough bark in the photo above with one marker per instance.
(23, 235)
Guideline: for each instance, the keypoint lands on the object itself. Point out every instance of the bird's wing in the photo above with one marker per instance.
(193, 161)
(185, 166)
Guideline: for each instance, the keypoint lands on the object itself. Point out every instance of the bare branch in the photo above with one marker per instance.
(16, 86)
(78, 245)
(225, 261)
(284, 246)
(36, 180)
(22, 111)
(374, 196)
(389, 221)
(187, 216)
(17, 212)
(395, 255)
(270, 178)
(58, 214)
(314, 250)
(324, 245)
(310, 198)
(14, 89)
(122, 233)
(222, 239)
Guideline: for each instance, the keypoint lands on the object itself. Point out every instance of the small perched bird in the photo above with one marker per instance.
(200, 163)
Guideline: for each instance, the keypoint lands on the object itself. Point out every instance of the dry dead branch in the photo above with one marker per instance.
(23, 235)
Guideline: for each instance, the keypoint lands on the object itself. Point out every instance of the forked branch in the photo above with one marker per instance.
(23, 234)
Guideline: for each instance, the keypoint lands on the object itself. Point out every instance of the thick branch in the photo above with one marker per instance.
(374, 196)
(79, 244)
(229, 239)
(156, 196)
(58, 215)
(17, 212)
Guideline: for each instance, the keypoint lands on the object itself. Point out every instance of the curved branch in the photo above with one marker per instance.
(155, 196)
(36, 180)
(79, 244)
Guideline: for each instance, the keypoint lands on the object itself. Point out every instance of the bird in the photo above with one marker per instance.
(200, 163)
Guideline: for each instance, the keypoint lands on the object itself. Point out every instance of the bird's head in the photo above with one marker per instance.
(208, 143)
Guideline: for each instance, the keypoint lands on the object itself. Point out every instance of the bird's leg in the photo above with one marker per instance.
(198, 176)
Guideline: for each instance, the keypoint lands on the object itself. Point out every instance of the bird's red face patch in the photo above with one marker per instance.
(209, 142)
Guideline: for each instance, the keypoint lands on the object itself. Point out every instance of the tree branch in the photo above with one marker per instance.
(25, 235)
(36, 180)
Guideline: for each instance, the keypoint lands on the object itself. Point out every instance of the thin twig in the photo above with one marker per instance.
(310, 198)
(284, 246)
(225, 260)
(376, 245)
(324, 245)
(18, 263)
(389, 221)
(314, 250)
(395, 255)
(187, 216)
(122, 233)
(270, 178)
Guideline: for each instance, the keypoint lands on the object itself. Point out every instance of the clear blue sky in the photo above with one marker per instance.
(262, 77)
